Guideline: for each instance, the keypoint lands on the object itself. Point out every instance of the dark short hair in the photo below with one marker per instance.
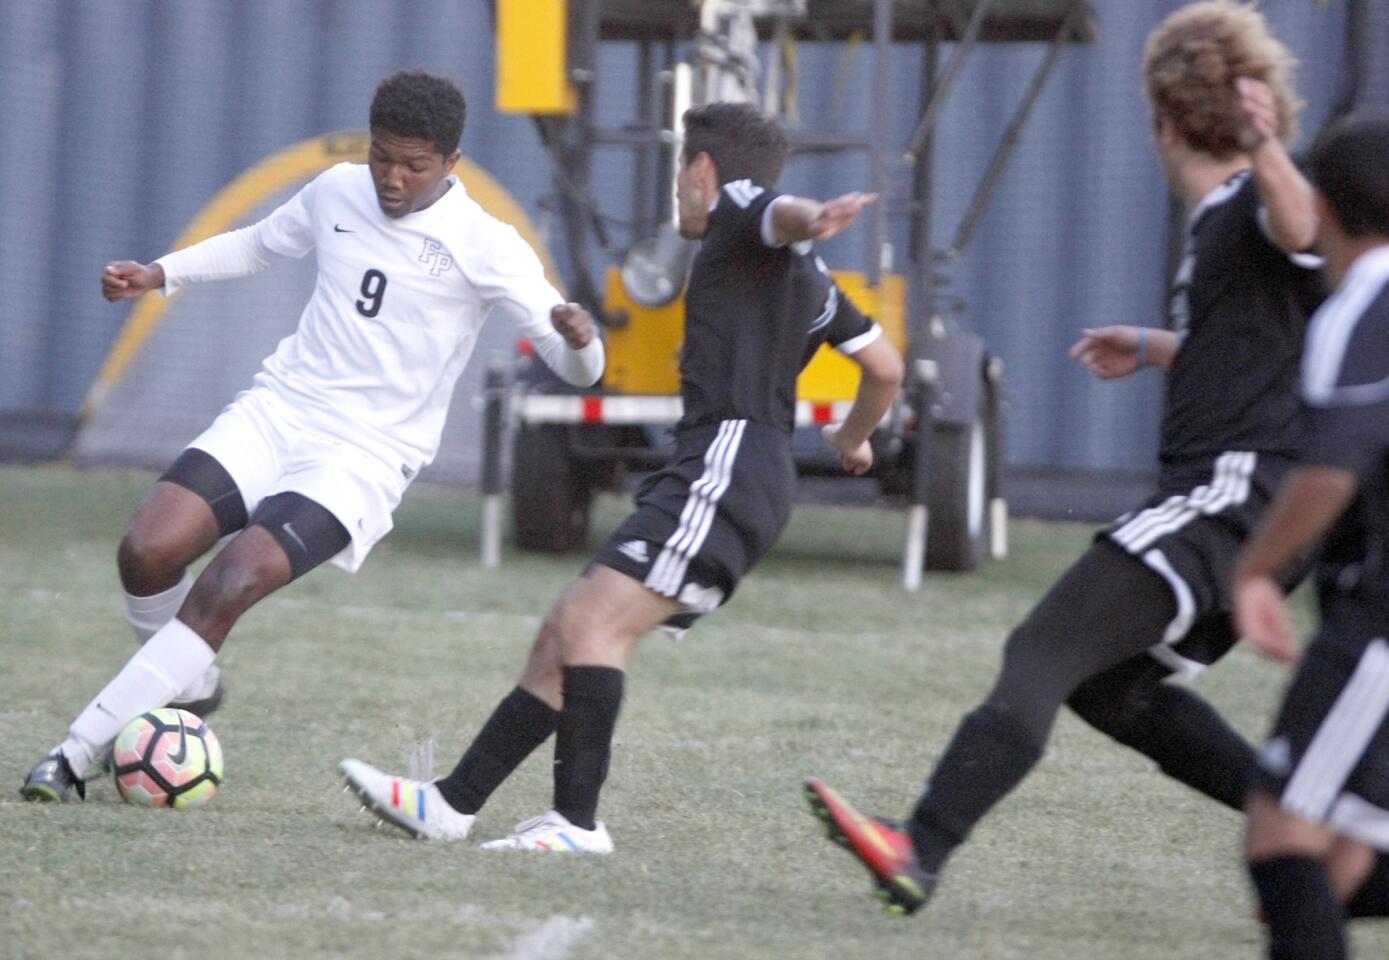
(416, 103)
(744, 143)
(1349, 164)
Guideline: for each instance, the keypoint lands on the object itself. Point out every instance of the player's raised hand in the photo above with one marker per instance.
(1258, 113)
(573, 323)
(835, 215)
(125, 279)
(1108, 352)
(1261, 617)
(856, 458)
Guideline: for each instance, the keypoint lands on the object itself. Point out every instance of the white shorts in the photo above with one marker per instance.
(258, 440)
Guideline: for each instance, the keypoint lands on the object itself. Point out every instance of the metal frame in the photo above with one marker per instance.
(572, 142)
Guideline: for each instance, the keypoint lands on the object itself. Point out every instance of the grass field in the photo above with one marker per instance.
(820, 665)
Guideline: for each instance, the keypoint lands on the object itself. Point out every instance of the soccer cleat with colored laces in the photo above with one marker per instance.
(52, 781)
(552, 832)
(415, 806)
(886, 851)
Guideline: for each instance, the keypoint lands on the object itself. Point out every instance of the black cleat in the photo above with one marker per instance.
(207, 705)
(52, 781)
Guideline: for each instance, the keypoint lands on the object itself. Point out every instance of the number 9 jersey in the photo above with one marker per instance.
(396, 308)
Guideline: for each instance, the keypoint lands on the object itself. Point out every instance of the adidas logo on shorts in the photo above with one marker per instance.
(635, 550)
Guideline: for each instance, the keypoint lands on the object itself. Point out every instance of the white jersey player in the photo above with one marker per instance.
(309, 463)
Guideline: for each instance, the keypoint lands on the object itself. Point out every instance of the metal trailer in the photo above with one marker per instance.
(566, 444)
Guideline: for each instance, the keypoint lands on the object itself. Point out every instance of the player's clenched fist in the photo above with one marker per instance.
(573, 323)
(124, 279)
(856, 458)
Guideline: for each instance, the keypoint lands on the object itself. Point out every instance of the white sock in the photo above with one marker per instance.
(170, 661)
(148, 614)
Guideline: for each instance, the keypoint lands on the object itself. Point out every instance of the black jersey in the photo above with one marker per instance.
(834, 318)
(748, 309)
(1241, 305)
(1345, 383)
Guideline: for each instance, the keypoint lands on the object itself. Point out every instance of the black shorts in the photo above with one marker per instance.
(707, 517)
(1190, 533)
(1327, 759)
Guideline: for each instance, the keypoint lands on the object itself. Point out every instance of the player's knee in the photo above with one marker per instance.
(1116, 712)
(583, 639)
(146, 558)
(1031, 666)
(1027, 643)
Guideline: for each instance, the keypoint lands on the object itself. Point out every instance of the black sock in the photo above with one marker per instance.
(990, 755)
(1304, 920)
(583, 741)
(521, 722)
(1181, 732)
(1372, 899)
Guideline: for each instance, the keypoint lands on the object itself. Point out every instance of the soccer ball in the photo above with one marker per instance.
(167, 758)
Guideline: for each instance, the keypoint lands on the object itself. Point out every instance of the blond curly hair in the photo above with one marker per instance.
(1191, 63)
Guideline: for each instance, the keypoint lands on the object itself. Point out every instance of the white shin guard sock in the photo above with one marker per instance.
(148, 614)
(172, 660)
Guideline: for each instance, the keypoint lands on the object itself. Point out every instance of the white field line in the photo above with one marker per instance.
(354, 611)
(552, 941)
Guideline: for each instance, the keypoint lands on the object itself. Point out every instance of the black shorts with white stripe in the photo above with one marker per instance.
(1327, 759)
(706, 518)
(1190, 533)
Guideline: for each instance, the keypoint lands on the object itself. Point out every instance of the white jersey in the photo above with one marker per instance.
(395, 311)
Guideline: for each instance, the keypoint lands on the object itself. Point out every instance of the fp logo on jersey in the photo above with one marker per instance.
(436, 256)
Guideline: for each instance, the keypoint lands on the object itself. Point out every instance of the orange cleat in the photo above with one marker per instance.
(885, 850)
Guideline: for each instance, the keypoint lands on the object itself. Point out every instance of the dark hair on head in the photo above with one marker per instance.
(416, 103)
(744, 143)
(1349, 164)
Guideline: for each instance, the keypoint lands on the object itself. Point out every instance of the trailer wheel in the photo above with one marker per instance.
(551, 492)
(958, 528)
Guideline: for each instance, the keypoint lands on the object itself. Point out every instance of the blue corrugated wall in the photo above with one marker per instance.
(119, 119)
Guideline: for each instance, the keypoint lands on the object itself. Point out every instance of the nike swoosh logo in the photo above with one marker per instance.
(297, 539)
(105, 711)
(182, 754)
(340, 229)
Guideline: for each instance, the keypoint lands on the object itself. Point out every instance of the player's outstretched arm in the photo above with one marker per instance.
(1283, 190)
(1117, 351)
(797, 218)
(126, 279)
(882, 378)
(1308, 503)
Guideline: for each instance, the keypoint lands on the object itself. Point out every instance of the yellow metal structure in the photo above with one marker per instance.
(644, 346)
(532, 72)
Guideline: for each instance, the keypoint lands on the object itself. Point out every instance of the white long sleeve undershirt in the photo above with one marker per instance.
(239, 253)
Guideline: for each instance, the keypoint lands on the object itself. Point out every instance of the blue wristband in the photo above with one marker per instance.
(1142, 347)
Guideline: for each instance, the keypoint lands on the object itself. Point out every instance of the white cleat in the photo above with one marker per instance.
(415, 806)
(552, 832)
